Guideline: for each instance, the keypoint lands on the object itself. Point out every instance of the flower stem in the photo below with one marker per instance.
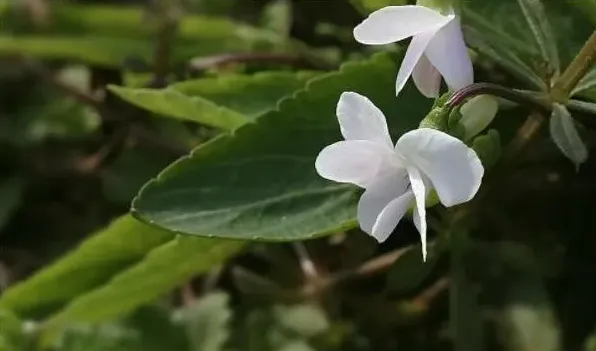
(576, 70)
(496, 90)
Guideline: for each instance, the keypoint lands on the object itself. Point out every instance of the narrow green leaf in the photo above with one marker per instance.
(564, 133)
(535, 15)
(172, 103)
(111, 35)
(260, 182)
(587, 83)
(106, 252)
(508, 52)
(163, 269)
(225, 102)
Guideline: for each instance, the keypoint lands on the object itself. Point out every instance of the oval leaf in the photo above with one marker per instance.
(260, 182)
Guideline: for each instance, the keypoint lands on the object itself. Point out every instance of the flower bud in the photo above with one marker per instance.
(477, 114)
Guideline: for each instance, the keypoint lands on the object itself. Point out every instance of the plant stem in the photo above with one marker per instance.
(576, 70)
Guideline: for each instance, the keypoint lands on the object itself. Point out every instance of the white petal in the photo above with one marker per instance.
(419, 190)
(452, 167)
(448, 53)
(390, 216)
(379, 195)
(353, 161)
(394, 23)
(360, 119)
(427, 78)
(411, 59)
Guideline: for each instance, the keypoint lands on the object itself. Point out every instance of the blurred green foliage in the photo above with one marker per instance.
(126, 125)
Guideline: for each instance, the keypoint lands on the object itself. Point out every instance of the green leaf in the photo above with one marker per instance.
(260, 182)
(305, 320)
(122, 243)
(163, 269)
(505, 50)
(565, 135)
(226, 102)
(105, 35)
(207, 321)
(536, 17)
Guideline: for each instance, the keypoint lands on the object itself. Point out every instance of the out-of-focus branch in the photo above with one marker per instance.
(200, 64)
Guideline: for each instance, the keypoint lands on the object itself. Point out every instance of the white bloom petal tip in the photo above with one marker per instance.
(360, 119)
(394, 23)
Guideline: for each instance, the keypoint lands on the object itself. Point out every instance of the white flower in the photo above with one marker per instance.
(393, 177)
(437, 47)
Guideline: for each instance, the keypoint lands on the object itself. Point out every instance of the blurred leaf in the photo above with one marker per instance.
(409, 271)
(226, 102)
(156, 330)
(11, 332)
(306, 320)
(278, 17)
(564, 133)
(207, 321)
(527, 321)
(109, 36)
(260, 183)
(162, 270)
(536, 17)
(106, 337)
(122, 243)
(11, 194)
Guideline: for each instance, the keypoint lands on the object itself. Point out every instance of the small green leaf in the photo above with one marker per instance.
(260, 181)
(207, 321)
(535, 15)
(226, 102)
(303, 319)
(122, 243)
(163, 269)
(564, 133)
